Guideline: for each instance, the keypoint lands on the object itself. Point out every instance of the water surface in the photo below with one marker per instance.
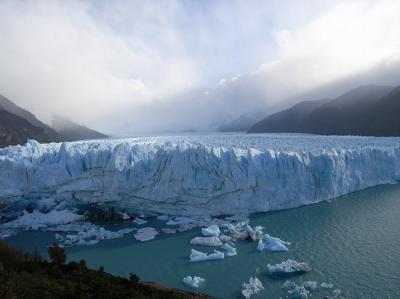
(352, 242)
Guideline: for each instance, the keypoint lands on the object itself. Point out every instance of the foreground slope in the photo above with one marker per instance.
(198, 175)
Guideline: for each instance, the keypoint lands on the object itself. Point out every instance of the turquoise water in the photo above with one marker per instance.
(352, 242)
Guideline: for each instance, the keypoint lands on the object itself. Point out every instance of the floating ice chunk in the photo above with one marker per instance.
(194, 281)
(288, 267)
(310, 285)
(168, 230)
(288, 285)
(224, 238)
(197, 256)
(37, 220)
(180, 221)
(145, 234)
(243, 231)
(229, 250)
(90, 235)
(206, 241)
(325, 285)
(139, 221)
(124, 216)
(336, 293)
(163, 217)
(211, 231)
(299, 292)
(253, 287)
(270, 243)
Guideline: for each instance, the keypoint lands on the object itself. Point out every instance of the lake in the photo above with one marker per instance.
(352, 242)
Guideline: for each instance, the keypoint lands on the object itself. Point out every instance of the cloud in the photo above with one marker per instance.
(126, 66)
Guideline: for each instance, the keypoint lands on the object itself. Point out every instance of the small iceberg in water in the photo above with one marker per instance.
(270, 243)
(211, 231)
(206, 241)
(253, 287)
(288, 267)
(197, 256)
(193, 282)
(145, 234)
(229, 250)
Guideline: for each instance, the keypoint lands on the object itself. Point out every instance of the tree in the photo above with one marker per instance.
(57, 254)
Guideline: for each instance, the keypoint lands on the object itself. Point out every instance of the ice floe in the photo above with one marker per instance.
(206, 241)
(92, 235)
(145, 234)
(288, 267)
(229, 250)
(38, 220)
(194, 281)
(211, 231)
(270, 243)
(197, 256)
(252, 287)
(139, 221)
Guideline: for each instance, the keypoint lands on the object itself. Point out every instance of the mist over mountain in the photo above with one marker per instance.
(366, 110)
(71, 131)
(17, 125)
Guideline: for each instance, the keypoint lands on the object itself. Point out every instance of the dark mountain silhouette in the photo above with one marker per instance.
(242, 123)
(369, 110)
(289, 120)
(71, 131)
(17, 125)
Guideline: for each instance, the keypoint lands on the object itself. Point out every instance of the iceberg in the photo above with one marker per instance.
(197, 256)
(211, 231)
(270, 243)
(37, 220)
(299, 292)
(194, 281)
(139, 221)
(145, 234)
(209, 175)
(288, 267)
(253, 287)
(229, 250)
(90, 234)
(206, 241)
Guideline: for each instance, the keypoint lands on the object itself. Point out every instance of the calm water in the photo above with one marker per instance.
(352, 242)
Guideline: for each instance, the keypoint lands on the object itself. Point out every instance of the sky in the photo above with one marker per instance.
(125, 67)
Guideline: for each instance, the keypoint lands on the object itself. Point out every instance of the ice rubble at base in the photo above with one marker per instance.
(37, 220)
(92, 235)
(288, 267)
(198, 256)
(145, 234)
(270, 243)
(194, 281)
(203, 175)
(253, 287)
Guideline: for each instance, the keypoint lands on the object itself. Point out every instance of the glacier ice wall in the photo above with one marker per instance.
(211, 175)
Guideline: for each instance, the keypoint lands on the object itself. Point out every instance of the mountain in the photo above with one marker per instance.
(242, 123)
(287, 121)
(71, 131)
(17, 125)
(361, 111)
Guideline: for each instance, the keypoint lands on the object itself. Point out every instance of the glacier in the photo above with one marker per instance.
(194, 175)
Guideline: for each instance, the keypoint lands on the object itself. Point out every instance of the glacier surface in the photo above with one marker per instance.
(194, 175)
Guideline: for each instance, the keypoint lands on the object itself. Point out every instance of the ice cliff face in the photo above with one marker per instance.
(182, 175)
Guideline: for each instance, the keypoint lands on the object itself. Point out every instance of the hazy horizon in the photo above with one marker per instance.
(145, 66)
